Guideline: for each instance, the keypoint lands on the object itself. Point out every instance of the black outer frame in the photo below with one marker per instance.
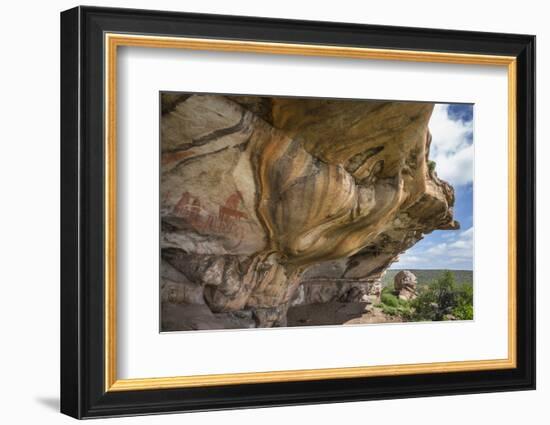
(82, 206)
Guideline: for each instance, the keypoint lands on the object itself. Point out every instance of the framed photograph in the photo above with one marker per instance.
(261, 212)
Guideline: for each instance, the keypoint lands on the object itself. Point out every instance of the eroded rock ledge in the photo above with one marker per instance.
(272, 202)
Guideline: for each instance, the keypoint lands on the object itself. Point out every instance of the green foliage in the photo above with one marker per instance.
(431, 166)
(464, 312)
(391, 311)
(464, 309)
(441, 299)
(389, 300)
(444, 300)
(392, 305)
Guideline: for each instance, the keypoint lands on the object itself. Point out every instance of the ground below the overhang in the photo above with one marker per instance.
(186, 317)
(337, 313)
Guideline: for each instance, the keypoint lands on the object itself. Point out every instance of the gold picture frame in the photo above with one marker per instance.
(114, 41)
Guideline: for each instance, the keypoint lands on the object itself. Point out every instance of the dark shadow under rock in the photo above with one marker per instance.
(190, 317)
(337, 313)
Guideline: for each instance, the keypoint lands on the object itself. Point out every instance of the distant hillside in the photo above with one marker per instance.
(426, 276)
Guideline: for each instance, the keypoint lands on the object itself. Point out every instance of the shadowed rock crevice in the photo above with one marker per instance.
(288, 202)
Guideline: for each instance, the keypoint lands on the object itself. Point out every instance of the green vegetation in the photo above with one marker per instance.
(392, 305)
(440, 299)
(444, 299)
(431, 166)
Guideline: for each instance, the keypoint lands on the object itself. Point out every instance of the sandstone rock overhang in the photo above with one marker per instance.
(268, 202)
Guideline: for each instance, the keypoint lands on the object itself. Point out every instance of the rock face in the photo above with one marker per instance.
(404, 284)
(272, 202)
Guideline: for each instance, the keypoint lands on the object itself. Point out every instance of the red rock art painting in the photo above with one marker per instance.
(228, 221)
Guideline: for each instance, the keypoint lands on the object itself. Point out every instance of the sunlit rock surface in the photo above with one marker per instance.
(404, 284)
(273, 202)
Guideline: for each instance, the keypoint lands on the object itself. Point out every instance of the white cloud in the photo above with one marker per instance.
(453, 152)
(451, 147)
(463, 246)
(457, 250)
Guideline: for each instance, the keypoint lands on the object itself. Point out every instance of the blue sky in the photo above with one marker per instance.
(452, 150)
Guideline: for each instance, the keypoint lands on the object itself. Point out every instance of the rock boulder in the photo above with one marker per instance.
(404, 284)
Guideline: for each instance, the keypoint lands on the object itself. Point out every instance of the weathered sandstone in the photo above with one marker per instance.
(272, 202)
(404, 284)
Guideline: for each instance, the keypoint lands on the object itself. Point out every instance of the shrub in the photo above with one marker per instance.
(389, 300)
(442, 299)
(464, 312)
(392, 311)
(392, 305)
(464, 309)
